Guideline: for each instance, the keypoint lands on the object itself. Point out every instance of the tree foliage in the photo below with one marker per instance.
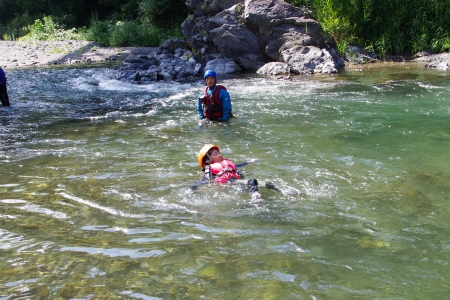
(385, 26)
(161, 12)
(109, 22)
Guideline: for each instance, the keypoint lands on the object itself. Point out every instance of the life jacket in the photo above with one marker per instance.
(223, 171)
(212, 107)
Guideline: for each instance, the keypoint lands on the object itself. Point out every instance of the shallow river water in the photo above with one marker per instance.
(95, 198)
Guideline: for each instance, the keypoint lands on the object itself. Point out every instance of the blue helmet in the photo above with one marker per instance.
(210, 73)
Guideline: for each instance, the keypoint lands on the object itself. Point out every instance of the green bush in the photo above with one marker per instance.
(15, 28)
(152, 36)
(130, 33)
(387, 26)
(161, 12)
(125, 34)
(48, 30)
(100, 32)
(440, 44)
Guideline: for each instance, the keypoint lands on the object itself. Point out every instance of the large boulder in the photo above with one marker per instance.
(223, 66)
(234, 40)
(244, 35)
(290, 35)
(203, 8)
(275, 68)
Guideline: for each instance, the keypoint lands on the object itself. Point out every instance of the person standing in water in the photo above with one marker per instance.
(214, 103)
(3, 90)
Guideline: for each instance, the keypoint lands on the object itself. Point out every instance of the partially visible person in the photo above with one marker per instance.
(3, 90)
(221, 170)
(214, 103)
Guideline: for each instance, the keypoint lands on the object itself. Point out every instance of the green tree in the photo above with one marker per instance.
(119, 9)
(387, 26)
(8, 8)
(161, 12)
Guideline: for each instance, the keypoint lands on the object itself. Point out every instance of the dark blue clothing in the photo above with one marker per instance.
(3, 90)
(2, 77)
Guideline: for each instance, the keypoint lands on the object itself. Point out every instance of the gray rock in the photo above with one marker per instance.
(438, 61)
(355, 54)
(275, 68)
(223, 66)
(309, 60)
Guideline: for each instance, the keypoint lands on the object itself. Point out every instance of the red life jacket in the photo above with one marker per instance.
(224, 171)
(212, 107)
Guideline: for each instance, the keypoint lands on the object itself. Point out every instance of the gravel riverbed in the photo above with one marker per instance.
(18, 55)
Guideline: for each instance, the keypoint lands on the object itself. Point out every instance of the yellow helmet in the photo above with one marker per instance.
(201, 154)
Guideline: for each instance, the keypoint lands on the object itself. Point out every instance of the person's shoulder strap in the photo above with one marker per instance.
(220, 86)
(217, 91)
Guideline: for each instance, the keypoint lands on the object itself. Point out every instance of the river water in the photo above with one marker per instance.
(95, 198)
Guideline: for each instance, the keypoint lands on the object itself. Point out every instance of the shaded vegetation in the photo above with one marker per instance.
(108, 22)
(382, 26)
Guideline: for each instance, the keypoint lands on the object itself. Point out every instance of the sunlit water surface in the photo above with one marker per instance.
(96, 202)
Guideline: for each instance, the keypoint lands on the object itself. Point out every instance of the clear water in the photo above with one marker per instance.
(95, 199)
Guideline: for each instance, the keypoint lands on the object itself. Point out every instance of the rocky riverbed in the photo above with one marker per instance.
(17, 55)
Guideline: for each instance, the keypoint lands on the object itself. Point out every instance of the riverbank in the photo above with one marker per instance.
(17, 55)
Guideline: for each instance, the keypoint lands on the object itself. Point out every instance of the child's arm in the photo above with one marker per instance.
(242, 164)
(250, 161)
(205, 179)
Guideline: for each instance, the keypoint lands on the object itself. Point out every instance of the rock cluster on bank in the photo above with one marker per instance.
(265, 36)
(438, 61)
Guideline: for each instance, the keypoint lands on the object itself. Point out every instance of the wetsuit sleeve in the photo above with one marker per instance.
(225, 99)
(200, 108)
(204, 180)
(242, 164)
